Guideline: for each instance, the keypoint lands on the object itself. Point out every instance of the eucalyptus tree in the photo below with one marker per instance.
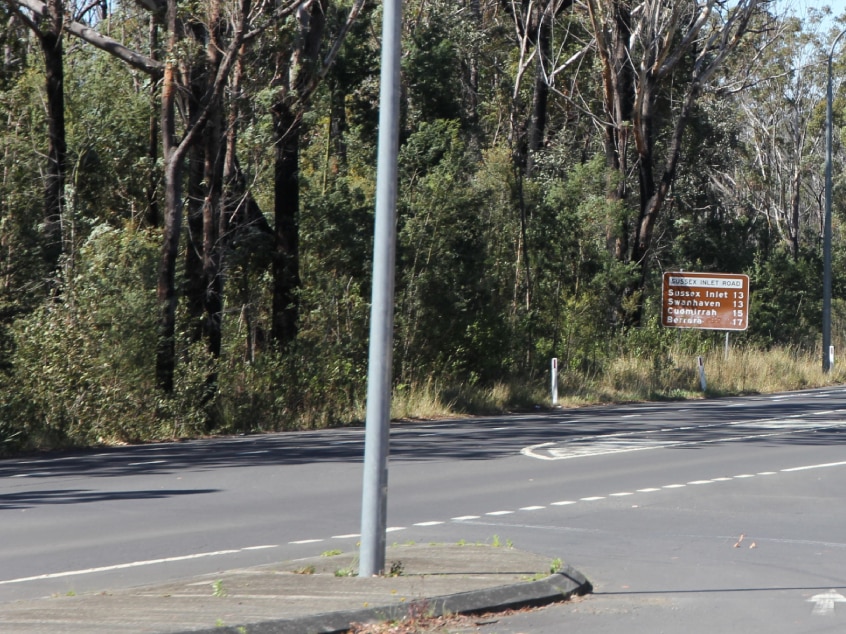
(657, 59)
(781, 118)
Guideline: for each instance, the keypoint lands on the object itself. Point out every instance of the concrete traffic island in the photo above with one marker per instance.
(313, 595)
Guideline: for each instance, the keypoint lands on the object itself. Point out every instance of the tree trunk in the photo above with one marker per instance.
(166, 284)
(214, 150)
(286, 268)
(54, 186)
(152, 215)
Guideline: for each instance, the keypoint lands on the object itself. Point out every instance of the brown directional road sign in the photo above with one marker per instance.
(713, 301)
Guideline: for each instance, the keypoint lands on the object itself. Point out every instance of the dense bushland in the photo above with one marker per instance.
(204, 264)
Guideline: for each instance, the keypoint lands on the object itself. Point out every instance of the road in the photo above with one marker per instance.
(721, 514)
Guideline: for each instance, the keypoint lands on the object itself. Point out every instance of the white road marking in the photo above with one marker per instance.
(673, 486)
(499, 513)
(433, 523)
(131, 564)
(394, 529)
(306, 541)
(584, 446)
(814, 466)
(650, 490)
(347, 536)
(463, 518)
(532, 508)
(592, 499)
(824, 602)
(563, 503)
(621, 494)
(701, 482)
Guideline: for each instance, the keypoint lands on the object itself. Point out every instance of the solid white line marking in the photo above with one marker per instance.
(815, 466)
(132, 564)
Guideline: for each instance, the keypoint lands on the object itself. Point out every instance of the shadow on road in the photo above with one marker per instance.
(29, 499)
(696, 424)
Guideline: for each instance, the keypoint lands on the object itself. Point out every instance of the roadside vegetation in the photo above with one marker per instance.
(187, 196)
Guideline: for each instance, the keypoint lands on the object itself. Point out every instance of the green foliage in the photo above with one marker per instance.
(83, 362)
(500, 264)
(786, 299)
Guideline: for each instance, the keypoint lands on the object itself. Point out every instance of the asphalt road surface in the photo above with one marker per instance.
(721, 515)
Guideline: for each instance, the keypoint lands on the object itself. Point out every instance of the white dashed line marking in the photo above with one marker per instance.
(432, 523)
(532, 508)
(499, 513)
(464, 518)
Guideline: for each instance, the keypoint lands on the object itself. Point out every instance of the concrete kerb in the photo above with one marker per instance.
(559, 586)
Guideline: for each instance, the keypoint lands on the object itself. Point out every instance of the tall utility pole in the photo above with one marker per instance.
(374, 502)
(826, 323)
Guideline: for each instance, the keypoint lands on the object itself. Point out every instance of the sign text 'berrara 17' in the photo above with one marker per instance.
(713, 301)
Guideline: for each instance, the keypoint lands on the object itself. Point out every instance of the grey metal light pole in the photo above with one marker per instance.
(826, 325)
(374, 499)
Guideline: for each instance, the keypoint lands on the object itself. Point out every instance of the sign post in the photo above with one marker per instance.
(711, 301)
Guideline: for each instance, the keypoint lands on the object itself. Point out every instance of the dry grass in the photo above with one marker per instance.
(633, 378)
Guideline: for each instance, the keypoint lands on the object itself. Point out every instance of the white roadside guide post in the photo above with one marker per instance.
(702, 383)
(554, 374)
